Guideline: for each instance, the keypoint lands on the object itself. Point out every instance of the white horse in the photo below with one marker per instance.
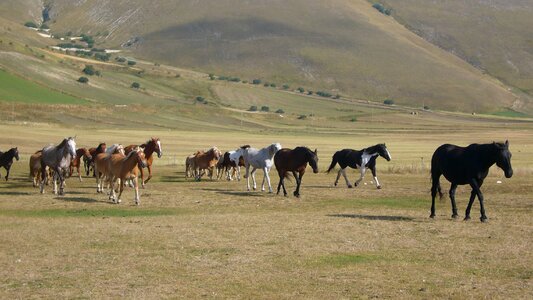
(260, 159)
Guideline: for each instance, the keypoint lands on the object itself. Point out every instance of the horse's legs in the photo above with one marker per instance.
(362, 170)
(238, 173)
(136, 186)
(266, 171)
(338, 176)
(149, 167)
(373, 169)
(477, 187)
(452, 199)
(246, 175)
(121, 188)
(435, 186)
(346, 178)
(79, 173)
(7, 169)
(252, 174)
(470, 203)
(298, 183)
(281, 176)
(62, 178)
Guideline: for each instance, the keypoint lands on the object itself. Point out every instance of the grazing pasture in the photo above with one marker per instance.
(214, 239)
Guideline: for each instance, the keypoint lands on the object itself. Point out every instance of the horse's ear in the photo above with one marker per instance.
(506, 142)
(316, 151)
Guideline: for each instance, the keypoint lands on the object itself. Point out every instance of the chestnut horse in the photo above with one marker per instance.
(76, 162)
(295, 161)
(89, 163)
(205, 161)
(101, 165)
(126, 167)
(35, 168)
(151, 146)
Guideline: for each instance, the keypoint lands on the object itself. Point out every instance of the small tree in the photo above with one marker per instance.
(301, 89)
(388, 102)
(273, 85)
(252, 108)
(256, 81)
(30, 24)
(212, 76)
(280, 111)
(309, 93)
(131, 63)
(89, 70)
(200, 99)
(286, 86)
(135, 85)
(265, 108)
(426, 107)
(83, 79)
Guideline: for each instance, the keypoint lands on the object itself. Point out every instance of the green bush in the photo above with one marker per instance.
(286, 86)
(388, 102)
(256, 81)
(323, 94)
(135, 85)
(426, 107)
(301, 89)
(121, 59)
(382, 9)
(273, 85)
(265, 108)
(280, 111)
(252, 108)
(102, 56)
(83, 79)
(89, 70)
(44, 26)
(131, 63)
(30, 24)
(266, 84)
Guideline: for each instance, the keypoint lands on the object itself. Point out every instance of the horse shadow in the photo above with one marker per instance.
(173, 179)
(79, 199)
(373, 217)
(15, 193)
(233, 193)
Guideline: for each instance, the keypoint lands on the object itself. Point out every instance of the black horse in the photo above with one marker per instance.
(6, 159)
(362, 159)
(295, 161)
(467, 165)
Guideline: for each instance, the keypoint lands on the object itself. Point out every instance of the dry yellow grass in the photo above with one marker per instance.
(214, 239)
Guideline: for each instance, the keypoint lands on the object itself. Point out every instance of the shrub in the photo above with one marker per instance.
(256, 81)
(30, 24)
(301, 89)
(83, 79)
(302, 117)
(121, 59)
(382, 9)
(223, 77)
(200, 99)
(286, 86)
(266, 84)
(265, 108)
(97, 73)
(273, 85)
(212, 76)
(353, 119)
(69, 45)
(323, 94)
(235, 79)
(135, 85)
(426, 107)
(252, 108)
(89, 70)
(280, 111)
(102, 56)
(388, 102)
(177, 76)
(245, 81)
(309, 92)
(131, 63)
(88, 39)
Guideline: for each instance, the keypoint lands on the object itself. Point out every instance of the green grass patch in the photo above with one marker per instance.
(112, 212)
(511, 114)
(16, 89)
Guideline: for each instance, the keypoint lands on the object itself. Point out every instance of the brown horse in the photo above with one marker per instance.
(76, 163)
(205, 161)
(35, 168)
(294, 161)
(126, 167)
(151, 146)
(101, 165)
(89, 163)
(189, 164)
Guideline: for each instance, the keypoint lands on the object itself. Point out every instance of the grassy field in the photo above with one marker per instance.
(214, 239)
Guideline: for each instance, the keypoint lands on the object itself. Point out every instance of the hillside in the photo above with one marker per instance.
(344, 47)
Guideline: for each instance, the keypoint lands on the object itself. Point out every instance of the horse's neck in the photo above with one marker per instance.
(130, 162)
(149, 149)
(486, 155)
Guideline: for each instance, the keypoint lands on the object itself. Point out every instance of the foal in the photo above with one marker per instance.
(362, 159)
(101, 165)
(295, 161)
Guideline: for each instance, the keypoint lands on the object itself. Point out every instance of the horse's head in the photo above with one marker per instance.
(141, 158)
(117, 148)
(102, 147)
(158, 148)
(274, 148)
(383, 151)
(71, 147)
(503, 158)
(87, 154)
(313, 160)
(216, 153)
(16, 153)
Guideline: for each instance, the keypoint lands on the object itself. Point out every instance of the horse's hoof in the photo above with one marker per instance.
(484, 219)
(467, 218)
(350, 186)
(296, 195)
(432, 216)
(285, 194)
(455, 216)
(379, 187)
(356, 184)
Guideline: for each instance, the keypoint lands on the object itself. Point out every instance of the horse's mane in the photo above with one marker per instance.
(245, 147)
(63, 143)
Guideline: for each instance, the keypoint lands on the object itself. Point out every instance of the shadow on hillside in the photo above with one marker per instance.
(373, 218)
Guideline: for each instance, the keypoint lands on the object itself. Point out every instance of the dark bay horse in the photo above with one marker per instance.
(6, 159)
(295, 161)
(467, 165)
(76, 162)
(89, 163)
(362, 159)
(58, 159)
(151, 146)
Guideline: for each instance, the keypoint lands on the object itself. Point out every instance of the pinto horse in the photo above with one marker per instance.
(126, 167)
(362, 159)
(58, 159)
(467, 165)
(151, 146)
(89, 163)
(260, 159)
(76, 163)
(287, 160)
(230, 167)
(6, 159)
(205, 161)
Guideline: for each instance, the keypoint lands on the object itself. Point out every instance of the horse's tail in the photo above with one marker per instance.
(333, 162)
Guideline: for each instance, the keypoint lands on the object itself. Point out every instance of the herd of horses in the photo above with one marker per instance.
(117, 166)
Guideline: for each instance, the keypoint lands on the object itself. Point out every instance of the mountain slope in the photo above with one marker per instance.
(343, 46)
